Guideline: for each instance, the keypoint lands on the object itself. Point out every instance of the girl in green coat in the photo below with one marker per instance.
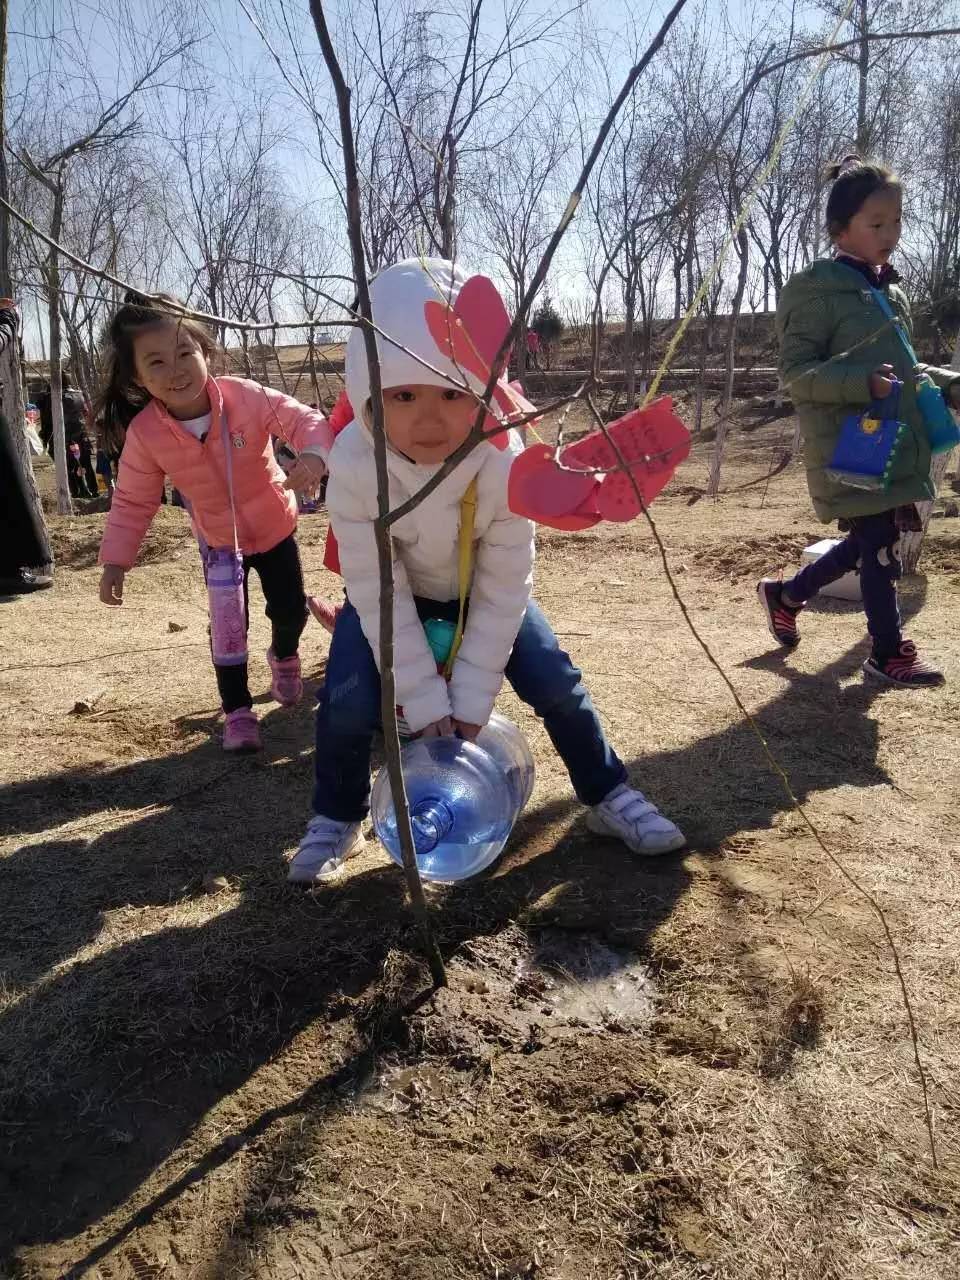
(838, 352)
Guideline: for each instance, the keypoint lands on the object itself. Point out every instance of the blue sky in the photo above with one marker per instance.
(234, 64)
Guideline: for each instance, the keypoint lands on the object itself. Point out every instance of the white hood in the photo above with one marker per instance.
(397, 297)
(406, 299)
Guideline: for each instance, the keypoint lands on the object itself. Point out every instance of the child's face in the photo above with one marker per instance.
(874, 230)
(427, 423)
(171, 367)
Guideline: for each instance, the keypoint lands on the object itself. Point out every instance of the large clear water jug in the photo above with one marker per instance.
(504, 741)
(464, 800)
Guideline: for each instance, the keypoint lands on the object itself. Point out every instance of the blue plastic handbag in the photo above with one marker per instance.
(865, 451)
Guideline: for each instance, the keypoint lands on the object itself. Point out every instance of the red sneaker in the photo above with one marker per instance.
(906, 668)
(781, 618)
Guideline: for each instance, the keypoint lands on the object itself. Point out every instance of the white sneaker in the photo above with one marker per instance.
(325, 847)
(629, 815)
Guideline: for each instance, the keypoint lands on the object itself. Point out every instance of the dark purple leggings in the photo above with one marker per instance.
(873, 546)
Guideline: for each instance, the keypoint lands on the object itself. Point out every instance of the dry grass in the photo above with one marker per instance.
(205, 1075)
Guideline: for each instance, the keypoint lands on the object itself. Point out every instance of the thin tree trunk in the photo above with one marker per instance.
(647, 347)
(64, 504)
(689, 261)
(816, 219)
(448, 212)
(11, 379)
(677, 270)
(701, 375)
(863, 72)
(81, 365)
(723, 426)
(43, 340)
(312, 353)
(629, 355)
(520, 347)
(743, 247)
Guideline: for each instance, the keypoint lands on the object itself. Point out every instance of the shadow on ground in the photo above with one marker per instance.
(112, 1060)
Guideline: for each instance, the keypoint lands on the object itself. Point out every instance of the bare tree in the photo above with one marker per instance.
(52, 172)
(50, 161)
(866, 18)
(446, 83)
(786, 225)
(623, 201)
(515, 199)
(11, 379)
(231, 225)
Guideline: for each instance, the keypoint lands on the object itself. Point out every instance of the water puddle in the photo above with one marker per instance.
(585, 982)
(397, 1089)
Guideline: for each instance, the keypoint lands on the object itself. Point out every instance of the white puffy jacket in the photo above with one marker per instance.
(425, 541)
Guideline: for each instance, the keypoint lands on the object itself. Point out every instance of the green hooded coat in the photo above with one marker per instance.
(832, 336)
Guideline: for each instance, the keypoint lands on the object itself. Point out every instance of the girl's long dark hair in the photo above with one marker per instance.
(121, 398)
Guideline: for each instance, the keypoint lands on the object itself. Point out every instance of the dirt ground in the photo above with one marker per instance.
(688, 1068)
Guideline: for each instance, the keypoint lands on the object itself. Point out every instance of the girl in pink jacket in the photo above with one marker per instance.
(211, 436)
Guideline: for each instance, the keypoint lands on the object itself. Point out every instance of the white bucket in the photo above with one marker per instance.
(845, 588)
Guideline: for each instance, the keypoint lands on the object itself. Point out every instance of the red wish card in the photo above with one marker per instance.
(587, 483)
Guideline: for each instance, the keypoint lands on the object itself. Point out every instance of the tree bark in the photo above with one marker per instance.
(312, 354)
(11, 379)
(629, 353)
(863, 73)
(677, 272)
(448, 209)
(64, 504)
(743, 249)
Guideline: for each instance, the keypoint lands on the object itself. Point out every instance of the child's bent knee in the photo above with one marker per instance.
(558, 701)
(346, 707)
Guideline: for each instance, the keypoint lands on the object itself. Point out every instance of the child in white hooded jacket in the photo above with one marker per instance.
(427, 416)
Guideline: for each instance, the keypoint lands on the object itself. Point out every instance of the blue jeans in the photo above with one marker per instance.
(541, 674)
(873, 544)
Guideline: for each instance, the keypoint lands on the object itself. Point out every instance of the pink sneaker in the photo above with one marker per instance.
(241, 731)
(287, 687)
(325, 614)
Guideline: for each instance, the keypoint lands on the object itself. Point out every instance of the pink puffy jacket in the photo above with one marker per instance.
(157, 446)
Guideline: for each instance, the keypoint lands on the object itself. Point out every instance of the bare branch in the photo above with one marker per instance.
(227, 321)
(476, 434)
